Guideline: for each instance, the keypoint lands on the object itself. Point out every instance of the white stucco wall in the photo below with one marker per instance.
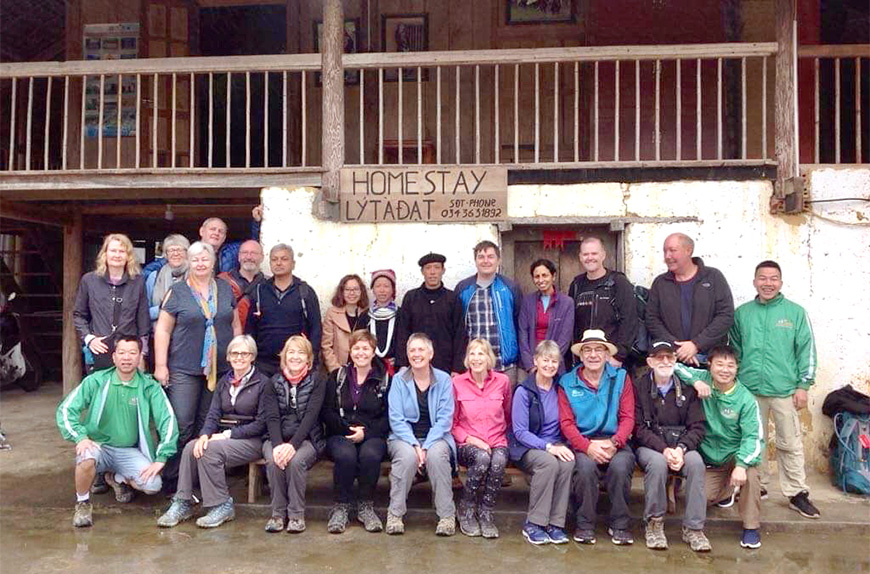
(825, 255)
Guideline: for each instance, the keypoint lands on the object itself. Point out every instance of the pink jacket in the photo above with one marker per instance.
(482, 413)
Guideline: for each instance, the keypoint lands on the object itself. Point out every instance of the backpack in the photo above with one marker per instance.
(341, 377)
(850, 455)
(641, 297)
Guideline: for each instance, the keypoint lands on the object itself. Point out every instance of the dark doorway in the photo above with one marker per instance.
(242, 31)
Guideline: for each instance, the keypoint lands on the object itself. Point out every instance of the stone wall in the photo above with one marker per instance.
(825, 254)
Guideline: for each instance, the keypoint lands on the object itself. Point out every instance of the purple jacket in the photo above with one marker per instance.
(560, 329)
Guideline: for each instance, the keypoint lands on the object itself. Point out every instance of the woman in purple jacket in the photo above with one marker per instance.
(545, 315)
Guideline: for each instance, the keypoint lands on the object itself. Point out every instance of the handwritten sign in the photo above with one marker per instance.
(423, 193)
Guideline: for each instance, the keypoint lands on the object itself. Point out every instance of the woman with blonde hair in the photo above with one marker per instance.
(295, 435)
(111, 302)
(480, 426)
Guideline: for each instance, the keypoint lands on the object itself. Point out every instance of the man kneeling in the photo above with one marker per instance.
(734, 441)
(669, 426)
(115, 436)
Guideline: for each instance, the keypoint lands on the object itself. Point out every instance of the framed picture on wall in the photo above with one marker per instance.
(351, 46)
(405, 33)
(540, 11)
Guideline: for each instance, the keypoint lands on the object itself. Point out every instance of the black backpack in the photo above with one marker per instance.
(641, 296)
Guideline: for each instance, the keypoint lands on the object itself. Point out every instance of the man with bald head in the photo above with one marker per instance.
(690, 305)
(214, 232)
(246, 278)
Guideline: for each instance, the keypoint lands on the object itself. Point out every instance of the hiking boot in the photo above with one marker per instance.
(764, 493)
(337, 519)
(556, 534)
(488, 528)
(751, 538)
(123, 492)
(621, 537)
(801, 503)
(395, 524)
(296, 525)
(99, 486)
(366, 514)
(446, 526)
(84, 514)
(655, 534)
(584, 536)
(179, 511)
(275, 524)
(534, 534)
(217, 515)
(696, 539)
(468, 523)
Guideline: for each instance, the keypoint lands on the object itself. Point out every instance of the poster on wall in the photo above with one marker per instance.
(111, 42)
(351, 46)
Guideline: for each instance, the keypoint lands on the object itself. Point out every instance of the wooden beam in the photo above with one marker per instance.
(332, 133)
(72, 270)
(785, 138)
(834, 51)
(159, 210)
(34, 214)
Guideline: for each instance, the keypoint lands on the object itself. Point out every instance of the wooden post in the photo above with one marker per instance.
(785, 111)
(72, 271)
(332, 138)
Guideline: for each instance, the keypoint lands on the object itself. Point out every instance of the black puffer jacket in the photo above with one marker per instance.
(298, 412)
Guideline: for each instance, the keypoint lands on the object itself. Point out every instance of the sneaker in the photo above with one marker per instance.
(488, 528)
(655, 534)
(84, 514)
(801, 503)
(620, 537)
(751, 538)
(584, 536)
(468, 523)
(296, 525)
(556, 534)
(446, 526)
(696, 539)
(764, 494)
(179, 511)
(727, 502)
(534, 534)
(217, 515)
(275, 524)
(123, 492)
(337, 519)
(395, 524)
(366, 514)
(99, 486)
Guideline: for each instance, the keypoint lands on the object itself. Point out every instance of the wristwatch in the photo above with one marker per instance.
(683, 448)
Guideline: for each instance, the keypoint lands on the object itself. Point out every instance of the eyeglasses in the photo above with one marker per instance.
(352, 289)
(593, 351)
(240, 355)
(175, 251)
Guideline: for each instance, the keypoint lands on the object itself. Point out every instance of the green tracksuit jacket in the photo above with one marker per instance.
(733, 422)
(775, 346)
(152, 402)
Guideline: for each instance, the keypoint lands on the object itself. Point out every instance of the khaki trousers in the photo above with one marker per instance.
(717, 484)
(789, 445)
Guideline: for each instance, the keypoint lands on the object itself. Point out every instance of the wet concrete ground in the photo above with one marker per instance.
(36, 534)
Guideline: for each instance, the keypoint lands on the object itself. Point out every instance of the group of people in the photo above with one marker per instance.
(479, 377)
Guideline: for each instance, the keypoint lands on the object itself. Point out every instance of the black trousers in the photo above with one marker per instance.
(360, 461)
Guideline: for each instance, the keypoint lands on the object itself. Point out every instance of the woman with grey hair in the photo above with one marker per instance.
(197, 317)
(231, 436)
(175, 248)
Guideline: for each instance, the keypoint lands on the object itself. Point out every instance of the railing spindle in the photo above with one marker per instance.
(381, 116)
(556, 112)
(100, 123)
(138, 119)
(401, 115)
(47, 132)
(29, 125)
(458, 153)
(266, 119)
(637, 110)
(477, 114)
(698, 125)
(227, 158)
(419, 115)
(210, 118)
(192, 110)
(362, 116)
(858, 110)
(743, 106)
(154, 118)
(837, 110)
(12, 124)
(174, 117)
(497, 145)
(576, 112)
(679, 97)
(118, 125)
(764, 107)
(65, 121)
(516, 113)
(304, 119)
(537, 112)
(595, 117)
(82, 134)
(658, 71)
(284, 118)
(247, 119)
(719, 108)
(438, 115)
(616, 112)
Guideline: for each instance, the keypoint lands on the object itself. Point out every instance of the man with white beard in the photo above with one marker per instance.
(669, 426)
(245, 279)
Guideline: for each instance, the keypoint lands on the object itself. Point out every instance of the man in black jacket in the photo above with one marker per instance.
(435, 310)
(603, 300)
(669, 426)
(690, 305)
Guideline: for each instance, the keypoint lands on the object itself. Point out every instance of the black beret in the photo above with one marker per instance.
(431, 258)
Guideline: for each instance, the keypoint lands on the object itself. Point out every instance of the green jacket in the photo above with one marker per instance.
(90, 395)
(775, 346)
(733, 422)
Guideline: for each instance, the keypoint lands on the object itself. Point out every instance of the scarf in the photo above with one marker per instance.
(208, 307)
(166, 278)
(298, 378)
(383, 313)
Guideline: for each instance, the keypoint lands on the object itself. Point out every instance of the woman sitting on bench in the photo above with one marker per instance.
(357, 425)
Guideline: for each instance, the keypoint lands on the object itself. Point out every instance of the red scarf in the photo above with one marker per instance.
(298, 378)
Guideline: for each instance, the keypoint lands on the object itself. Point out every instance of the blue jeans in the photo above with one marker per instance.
(126, 462)
(190, 399)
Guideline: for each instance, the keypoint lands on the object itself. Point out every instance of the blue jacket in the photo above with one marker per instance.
(403, 409)
(596, 413)
(506, 296)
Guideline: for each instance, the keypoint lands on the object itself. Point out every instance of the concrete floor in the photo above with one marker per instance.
(36, 533)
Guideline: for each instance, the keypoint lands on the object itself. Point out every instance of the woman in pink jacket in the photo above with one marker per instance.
(480, 425)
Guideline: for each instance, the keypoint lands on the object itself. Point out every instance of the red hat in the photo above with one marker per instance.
(388, 273)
